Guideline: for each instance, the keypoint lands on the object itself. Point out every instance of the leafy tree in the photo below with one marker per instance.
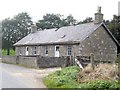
(55, 21)
(70, 20)
(49, 21)
(87, 20)
(114, 27)
(14, 29)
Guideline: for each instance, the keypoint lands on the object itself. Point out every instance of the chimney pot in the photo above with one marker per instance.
(98, 16)
(99, 9)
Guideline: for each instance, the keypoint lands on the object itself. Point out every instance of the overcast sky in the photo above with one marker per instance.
(80, 9)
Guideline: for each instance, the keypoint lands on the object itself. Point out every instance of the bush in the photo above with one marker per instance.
(66, 78)
(12, 52)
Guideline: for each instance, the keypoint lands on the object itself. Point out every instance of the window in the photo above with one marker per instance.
(46, 50)
(34, 50)
(27, 49)
(69, 50)
(57, 48)
(20, 50)
(57, 51)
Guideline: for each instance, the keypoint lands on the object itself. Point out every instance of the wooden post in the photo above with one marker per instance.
(92, 61)
(118, 59)
(74, 59)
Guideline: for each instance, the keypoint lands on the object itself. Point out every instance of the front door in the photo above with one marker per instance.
(56, 51)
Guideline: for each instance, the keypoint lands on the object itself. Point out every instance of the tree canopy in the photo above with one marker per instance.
(14, 29)
(55, 21)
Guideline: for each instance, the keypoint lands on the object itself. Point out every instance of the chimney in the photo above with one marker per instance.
(98, 16)
(33, 28)
(119, 8)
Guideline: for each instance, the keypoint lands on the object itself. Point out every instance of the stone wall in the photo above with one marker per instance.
(27, 61)
(44, 62)
(9, 59)
(35, 61)
(100, 44)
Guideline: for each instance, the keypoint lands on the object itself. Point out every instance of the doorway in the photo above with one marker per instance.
(26, 50)
(57, 51)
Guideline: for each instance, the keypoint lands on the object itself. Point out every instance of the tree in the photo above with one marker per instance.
(14, 29)
(55, 21)
(87, 20)
(70, 20)
(49, 21)
(114, 27)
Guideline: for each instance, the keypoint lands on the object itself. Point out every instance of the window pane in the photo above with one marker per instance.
(69, 50)
(57, 48)
(46, 50)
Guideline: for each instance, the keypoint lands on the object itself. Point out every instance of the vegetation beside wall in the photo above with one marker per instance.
(66, 78)
(12, 52)
(104, 76)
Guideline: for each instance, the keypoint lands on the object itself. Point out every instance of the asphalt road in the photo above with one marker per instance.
(13, 76)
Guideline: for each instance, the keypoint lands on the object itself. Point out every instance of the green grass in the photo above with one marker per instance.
(67, 78)
(12, 52)
(105, 85)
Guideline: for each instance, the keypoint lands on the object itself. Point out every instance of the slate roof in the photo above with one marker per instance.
(67, 34)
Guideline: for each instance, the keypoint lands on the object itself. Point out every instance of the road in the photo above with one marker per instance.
(19, 77)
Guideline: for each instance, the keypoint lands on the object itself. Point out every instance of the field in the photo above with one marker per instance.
(104, 76)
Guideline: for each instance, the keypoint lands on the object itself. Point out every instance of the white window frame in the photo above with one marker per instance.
(69, 50)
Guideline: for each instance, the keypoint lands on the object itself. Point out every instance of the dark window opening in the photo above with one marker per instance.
(57, 48)
(26, 48)
(46, 50)
(35, 50)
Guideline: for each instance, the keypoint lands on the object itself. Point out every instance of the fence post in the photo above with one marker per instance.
(119, 66)
(74, 59)
(92, 61)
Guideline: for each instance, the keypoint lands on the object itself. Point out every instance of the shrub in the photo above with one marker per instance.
(66, 78)
(12, 52)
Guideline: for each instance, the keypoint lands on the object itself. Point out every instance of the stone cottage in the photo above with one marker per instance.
(78, 40)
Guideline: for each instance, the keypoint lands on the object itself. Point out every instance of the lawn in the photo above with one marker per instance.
(73, 77)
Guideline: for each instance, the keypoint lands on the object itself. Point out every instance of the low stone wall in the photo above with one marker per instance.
(35, 62)
(45, 62)
(21, 60)
(27, 61)
(9, 59)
